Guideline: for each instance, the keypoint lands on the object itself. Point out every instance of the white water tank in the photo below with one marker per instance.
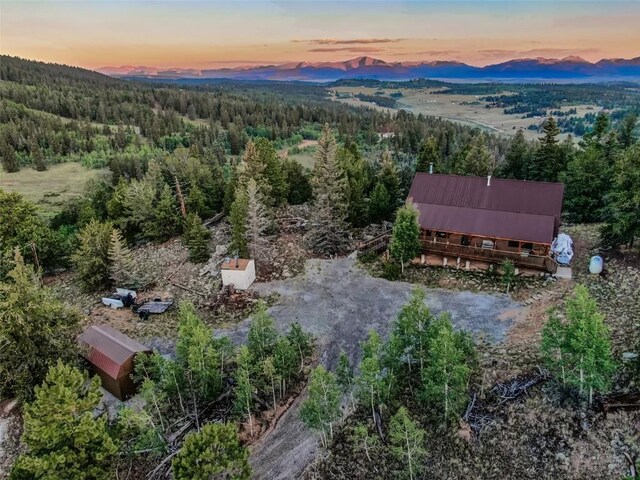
(239, 272)
(595, 265)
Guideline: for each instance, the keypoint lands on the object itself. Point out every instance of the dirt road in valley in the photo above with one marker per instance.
(339, 303)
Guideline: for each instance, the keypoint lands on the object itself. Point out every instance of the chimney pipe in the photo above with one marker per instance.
(488, 180)
(430, 168)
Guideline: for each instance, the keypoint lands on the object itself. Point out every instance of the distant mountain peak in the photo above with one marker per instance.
(569, 68)
(575, 59)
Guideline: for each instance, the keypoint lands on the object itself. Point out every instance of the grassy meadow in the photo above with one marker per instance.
(51, 188)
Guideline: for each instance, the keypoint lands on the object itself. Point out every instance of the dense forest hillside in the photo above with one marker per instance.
(55, 113)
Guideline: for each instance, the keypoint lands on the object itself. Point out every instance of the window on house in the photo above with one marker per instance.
(513, 244)
(527, 246)
(465, 240)
(441, 234)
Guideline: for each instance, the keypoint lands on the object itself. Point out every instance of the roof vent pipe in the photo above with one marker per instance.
(430, 168)
(488, 180)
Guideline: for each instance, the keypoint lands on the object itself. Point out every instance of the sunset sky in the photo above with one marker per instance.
(97, 33)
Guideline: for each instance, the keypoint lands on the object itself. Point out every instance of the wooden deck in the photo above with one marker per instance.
(377, 244)
(489, 255)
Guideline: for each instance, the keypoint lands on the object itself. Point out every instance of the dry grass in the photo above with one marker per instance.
(465, 109)
(51, 188)
(305, 155)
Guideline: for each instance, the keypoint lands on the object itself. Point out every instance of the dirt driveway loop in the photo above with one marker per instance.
(339, 303)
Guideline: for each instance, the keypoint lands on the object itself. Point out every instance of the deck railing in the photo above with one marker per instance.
(490, 255)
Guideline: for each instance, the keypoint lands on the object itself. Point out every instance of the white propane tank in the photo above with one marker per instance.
(595, 265)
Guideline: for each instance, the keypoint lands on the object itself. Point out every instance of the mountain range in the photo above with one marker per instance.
(568, 69)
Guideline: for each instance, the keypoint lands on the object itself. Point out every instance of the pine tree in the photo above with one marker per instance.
(548, 161)
(517, 159)
(92, 256)
(64, 438)
(238, 219)
(478, 159)
(21, 226)
(600, 128)
(390, 178)
(213, 452)
(622, 210)
(166, 220)
(587, 182)
(379, 203)
(405, 237)
(445, 376)
(131, 207)
(122, 267)
(627, 135)
(430, 156)
(298, 183)
(230, 186)
(256, 222)
(38, 158)
(328, 234)
(322, 406)
(196, 237)
(580, 350)
(255, 167)
(9, 159)
(356, 172)
(36, 329)
(407, 441)
(196, 202)
(273, 172)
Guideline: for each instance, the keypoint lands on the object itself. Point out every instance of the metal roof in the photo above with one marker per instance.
(508, 209)
(109, 350)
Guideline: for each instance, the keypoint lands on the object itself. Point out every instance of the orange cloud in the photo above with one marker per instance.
(346, 49)
(431, 53)
(355, 41)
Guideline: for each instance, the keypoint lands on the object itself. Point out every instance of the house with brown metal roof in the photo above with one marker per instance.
(480, 221)
(111, 355)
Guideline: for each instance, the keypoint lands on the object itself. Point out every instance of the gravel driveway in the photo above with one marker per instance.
(339, 303)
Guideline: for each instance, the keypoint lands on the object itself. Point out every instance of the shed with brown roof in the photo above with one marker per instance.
(111, 355)
(481, 218)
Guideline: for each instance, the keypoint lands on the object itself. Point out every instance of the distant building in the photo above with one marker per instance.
(473, 222)
(385, 135)
(111, 355)
(239, 272)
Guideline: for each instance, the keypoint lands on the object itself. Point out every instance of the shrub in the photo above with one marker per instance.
(391, 271)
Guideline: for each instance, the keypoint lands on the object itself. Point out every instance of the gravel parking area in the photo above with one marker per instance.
(339, 303)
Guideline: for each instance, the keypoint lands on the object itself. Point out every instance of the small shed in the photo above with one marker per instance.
(239, 272)
(111, 355)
